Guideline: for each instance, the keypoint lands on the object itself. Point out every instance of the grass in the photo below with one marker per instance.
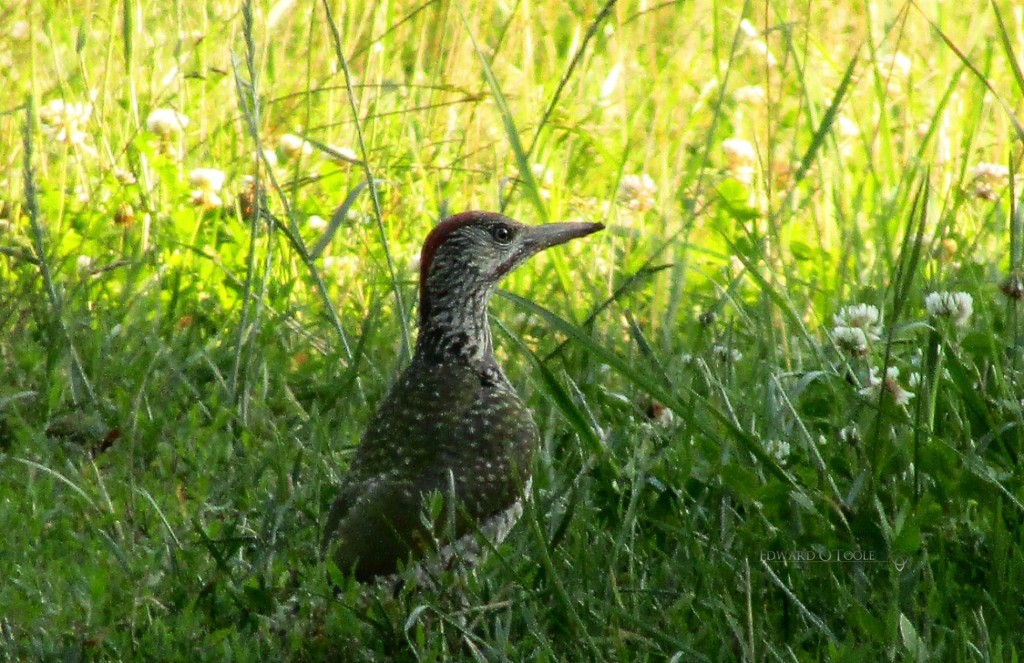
(181, 384)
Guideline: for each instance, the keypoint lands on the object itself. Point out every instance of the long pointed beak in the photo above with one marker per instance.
(539, 238)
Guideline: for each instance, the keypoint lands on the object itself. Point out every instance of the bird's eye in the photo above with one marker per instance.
(502, 234)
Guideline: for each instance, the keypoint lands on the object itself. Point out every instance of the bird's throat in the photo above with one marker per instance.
(454, 327)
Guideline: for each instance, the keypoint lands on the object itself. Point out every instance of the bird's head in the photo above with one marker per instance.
(467, 254)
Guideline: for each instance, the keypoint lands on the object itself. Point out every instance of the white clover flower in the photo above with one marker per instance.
(83, 264)
(64, 122)
(749, 94)
(778, 449)
(991, 173)
(125, 177)
(20, 31)
(739, 152)
(846, 128)
(317, 223)
(207, 178)
(638, 192)
(57, 112)
(861, 316)
(957, 306)
(987, 177)
(292, 146)
(890, 384)
(166, 122)
(851, 340)
(897, 62)
(207, 182)
(744, 174)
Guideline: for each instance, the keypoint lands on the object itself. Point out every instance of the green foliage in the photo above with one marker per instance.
(735, 463)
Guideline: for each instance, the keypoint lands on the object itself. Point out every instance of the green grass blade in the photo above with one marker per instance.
(371, 180)
(1011, 57)
(825, 127)
(511, 132)
(58, 476)
(339, 217)
(79, 379)
(1018, 128)
(561, 397)
(577, 57)
(656, 387)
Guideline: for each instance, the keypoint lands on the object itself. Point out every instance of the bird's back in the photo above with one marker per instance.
(441, 426)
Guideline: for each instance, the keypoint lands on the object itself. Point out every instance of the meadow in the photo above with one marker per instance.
(781, 396)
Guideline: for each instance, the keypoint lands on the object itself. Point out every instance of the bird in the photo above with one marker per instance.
(452, 424)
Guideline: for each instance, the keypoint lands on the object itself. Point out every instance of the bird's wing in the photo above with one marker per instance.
(401, 438)
(340, 507)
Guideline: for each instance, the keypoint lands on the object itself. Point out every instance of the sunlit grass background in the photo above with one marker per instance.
(181, 380)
